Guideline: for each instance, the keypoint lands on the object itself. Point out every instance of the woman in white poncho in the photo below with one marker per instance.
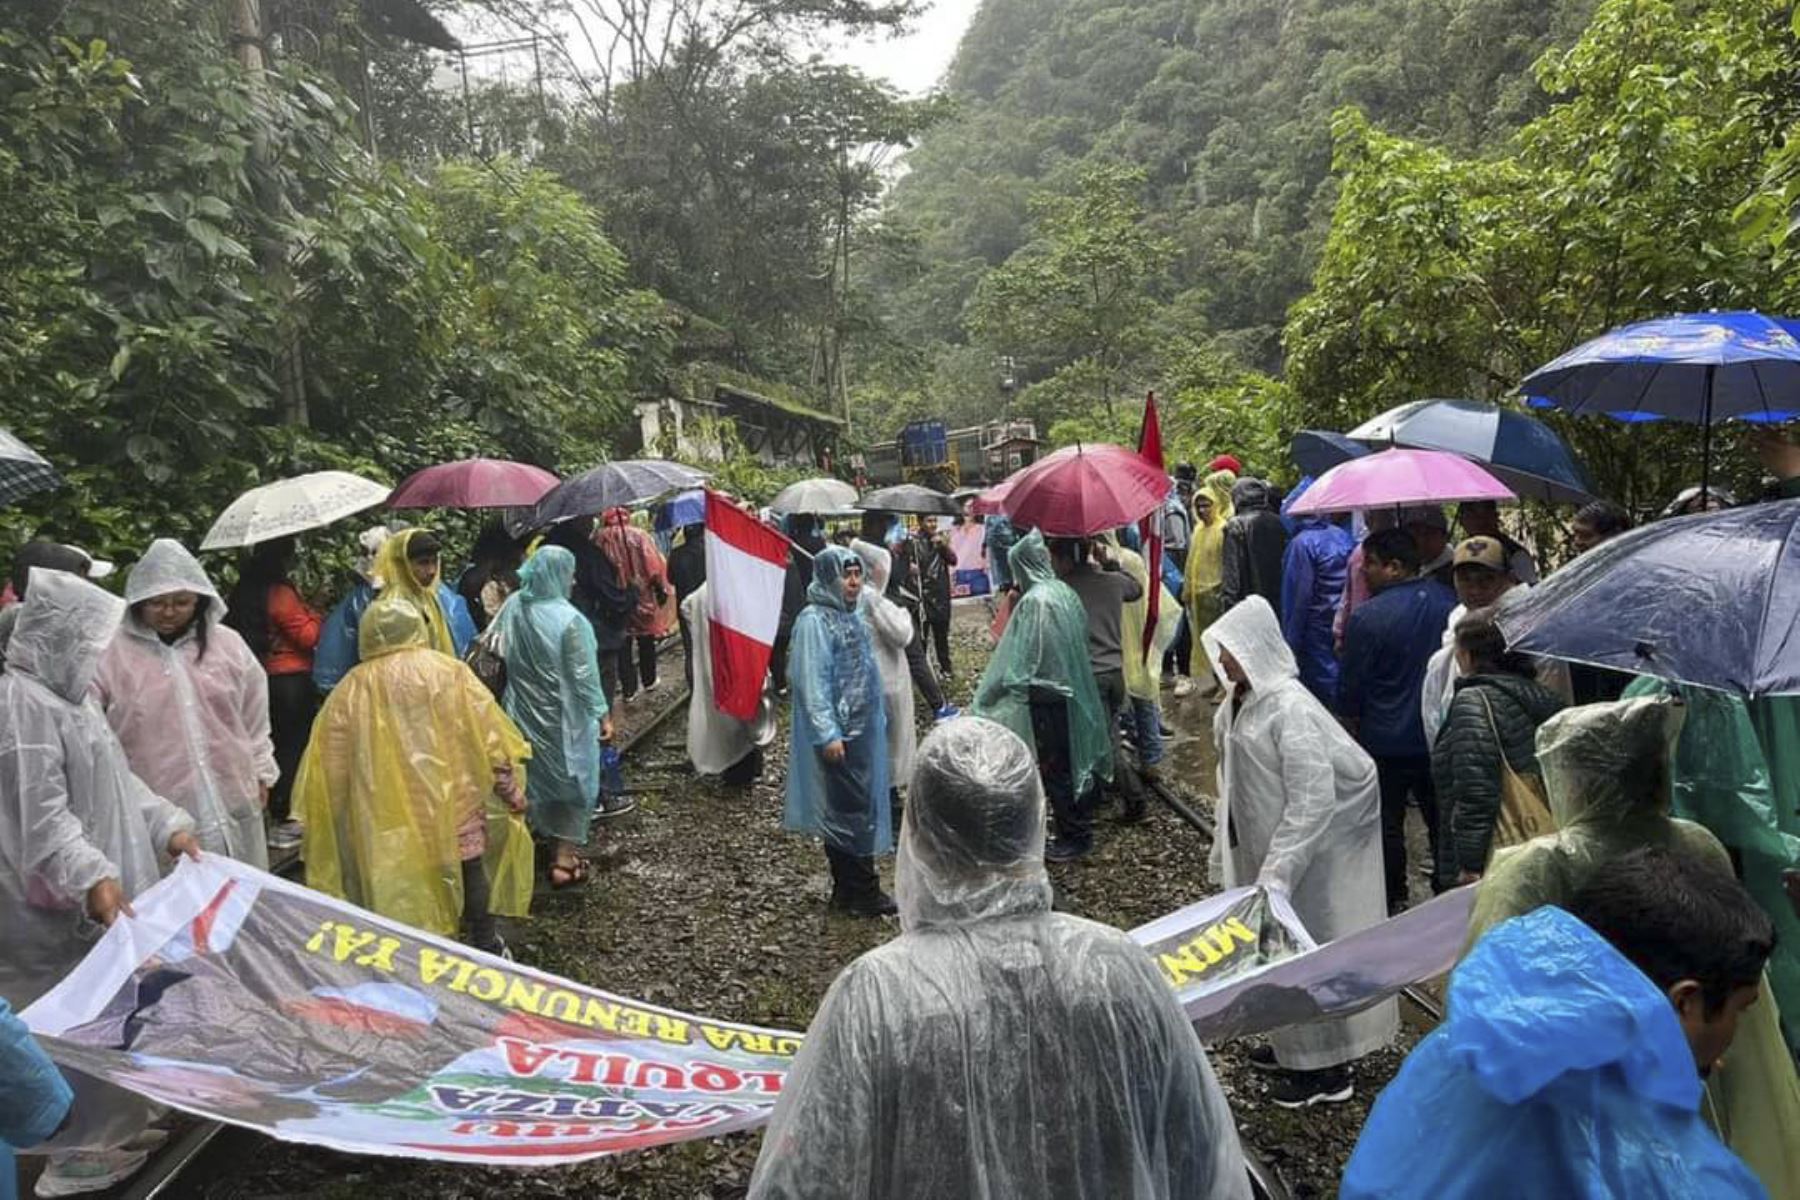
(996, 1049)
(1299, 812)
(190, 703)
(718, 743)
(891, 629)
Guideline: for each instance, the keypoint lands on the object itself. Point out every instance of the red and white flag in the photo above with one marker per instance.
(1150, 529)
(746, 571)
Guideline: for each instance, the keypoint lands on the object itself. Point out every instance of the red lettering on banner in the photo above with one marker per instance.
(525, 1058)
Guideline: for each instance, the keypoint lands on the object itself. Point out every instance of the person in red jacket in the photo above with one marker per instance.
(282, 629)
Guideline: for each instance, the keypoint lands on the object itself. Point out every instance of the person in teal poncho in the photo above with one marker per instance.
(838, 766)
(553, 694)
(1040, 685)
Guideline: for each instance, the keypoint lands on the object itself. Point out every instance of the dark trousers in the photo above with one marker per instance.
(687, 652)
(1403, 778)
(645, 673)
(854, 881)
(746, 770)
(1180, 658)
(920, 669)
(778, 663)
(1072, 816)
(937, 625)
(477, 921)
(293, 702)
(1118, 711)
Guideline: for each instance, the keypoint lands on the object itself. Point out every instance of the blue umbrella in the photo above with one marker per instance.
(1695, 367)
(1711, 600)
(1519, 450)
(689, 508)
(1316, 451)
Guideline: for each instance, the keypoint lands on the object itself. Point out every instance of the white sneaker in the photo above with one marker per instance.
(1184, 687)
(79, 1172)
(287, 835)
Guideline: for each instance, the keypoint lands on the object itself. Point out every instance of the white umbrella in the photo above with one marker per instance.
(290, 506)
(814, 496)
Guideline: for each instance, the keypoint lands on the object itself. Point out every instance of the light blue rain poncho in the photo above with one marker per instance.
(553, 694)
(836, 689)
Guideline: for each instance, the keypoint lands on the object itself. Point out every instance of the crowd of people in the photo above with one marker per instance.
(433, 747)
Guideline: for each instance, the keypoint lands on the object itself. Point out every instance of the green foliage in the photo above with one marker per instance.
(1452, 276)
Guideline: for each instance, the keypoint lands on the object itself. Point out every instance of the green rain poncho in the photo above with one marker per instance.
(1607, 772)
(1044, 651)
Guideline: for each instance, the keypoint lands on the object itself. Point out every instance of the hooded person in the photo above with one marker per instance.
(554, 695)
(1143, 671)
(410, 566)
(644, 573)
(996, 1048)
(410, 789)
(1607, 775)
(1040, 684)
(717, 742)
(190, 703)
(1206, 551)
(892, 631)
(837, 787)
(1313, 574)
(1571, 1060)
(336, 652)
(1254, 546)
(80, 835)
(1299, 812)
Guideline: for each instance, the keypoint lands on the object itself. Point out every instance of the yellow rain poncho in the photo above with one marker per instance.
(1206, 561)
(1607, 768)
(397, 583)
(402, 757)
(1143, 676)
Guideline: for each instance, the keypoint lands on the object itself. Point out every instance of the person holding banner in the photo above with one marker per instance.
(409, 793)
(1300, 813)
(80, 838)
(837, 785)
(996, 1048)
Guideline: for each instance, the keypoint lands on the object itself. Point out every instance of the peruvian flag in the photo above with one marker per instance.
(746, 569)
(1150, 528)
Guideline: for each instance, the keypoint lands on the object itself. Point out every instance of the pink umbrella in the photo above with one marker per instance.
(1084, 491)
(474, 483)
(1398, 478)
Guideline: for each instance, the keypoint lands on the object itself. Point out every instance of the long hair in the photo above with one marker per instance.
(247, 610)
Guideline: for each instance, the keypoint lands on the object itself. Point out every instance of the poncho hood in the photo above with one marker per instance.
(547, 575)
(63, 627)
(829, 568)
(390, 626)
(1253, 635)
(877, 562)
(1608, 763)
(167, 566)
(1251, 495)
(397, 583)
(1030, 561)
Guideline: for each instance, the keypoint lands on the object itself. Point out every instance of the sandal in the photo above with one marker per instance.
(572, 873)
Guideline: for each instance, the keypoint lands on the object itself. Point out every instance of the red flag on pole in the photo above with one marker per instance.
(746, 570)
(1150, 448)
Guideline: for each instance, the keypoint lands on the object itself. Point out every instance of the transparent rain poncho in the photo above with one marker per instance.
(1043, 655)
(836, 689)
(195, 727)
(402, 758)
(891, 630)
(1607, 773)
(1299, 810)
(996, 1049)
(553, 692)
(71, 811)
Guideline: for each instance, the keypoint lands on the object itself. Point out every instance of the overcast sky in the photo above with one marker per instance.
(915, 62)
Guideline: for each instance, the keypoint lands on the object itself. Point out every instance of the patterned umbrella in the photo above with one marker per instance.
(278, 510)
(23, 470)
(621, 484)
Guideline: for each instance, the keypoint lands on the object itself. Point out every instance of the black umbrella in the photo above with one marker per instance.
(911, 499)
(615, 485)
(23, 470)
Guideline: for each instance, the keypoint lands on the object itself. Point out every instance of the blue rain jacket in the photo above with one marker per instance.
(1562, 1071)
(33, 1099)
(1312, 585)
(553, 694)
(337, 650)
(836, 688)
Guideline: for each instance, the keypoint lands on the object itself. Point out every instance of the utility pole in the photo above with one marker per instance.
(249, 41)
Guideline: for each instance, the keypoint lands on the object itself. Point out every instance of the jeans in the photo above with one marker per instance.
(1400, 778)
(1072, 816)
(1118, 708)
(645, 673)
(293, 702)
(477, 921)
(1146, 730)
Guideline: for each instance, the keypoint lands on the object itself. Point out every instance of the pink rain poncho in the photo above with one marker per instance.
(195, 726)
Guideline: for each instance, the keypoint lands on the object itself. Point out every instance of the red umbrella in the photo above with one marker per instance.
(474, 483)
(1087, 490)
(992, 502)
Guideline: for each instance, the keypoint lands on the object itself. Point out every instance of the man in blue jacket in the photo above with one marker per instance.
(1388, 643)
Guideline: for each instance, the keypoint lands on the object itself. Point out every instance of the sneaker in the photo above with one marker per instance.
(1263, 1058)
(147, 1139)
(287, 836)
(653, 684)
(614, 806)
(1060, 851)
(947, 712)
(1303, 1089)
(1184, 687)
(881, 905)
(78, 1172)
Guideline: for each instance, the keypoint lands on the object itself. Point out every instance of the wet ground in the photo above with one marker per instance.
(699, 901)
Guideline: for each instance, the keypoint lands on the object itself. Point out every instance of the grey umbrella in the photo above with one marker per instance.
(23, 470)
(817, 497)
(615, 485)
(911, 499)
